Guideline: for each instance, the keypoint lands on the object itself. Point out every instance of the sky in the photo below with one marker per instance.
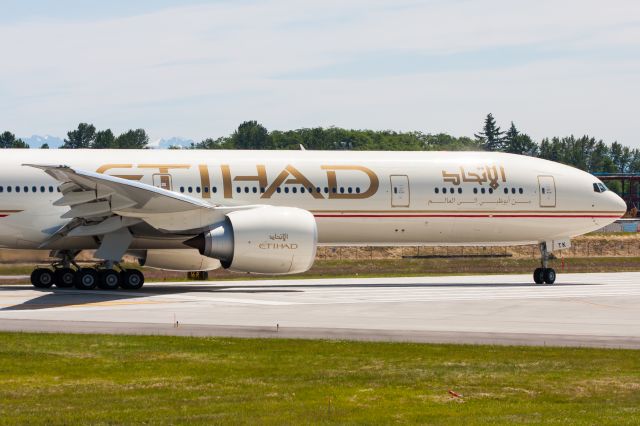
(197, 69)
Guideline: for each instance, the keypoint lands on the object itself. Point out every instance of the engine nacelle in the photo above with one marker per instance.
(178, 260)
(264, 240)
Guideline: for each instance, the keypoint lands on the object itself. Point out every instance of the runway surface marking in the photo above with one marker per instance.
(581, 309)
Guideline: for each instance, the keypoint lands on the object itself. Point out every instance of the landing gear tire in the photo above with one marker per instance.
(86, 279)
(64, 277)
(549, 276)
(109, 279)
(131, 279)
(538, 276)
(42, 278)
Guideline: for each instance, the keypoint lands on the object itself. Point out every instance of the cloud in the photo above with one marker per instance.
(199, 70)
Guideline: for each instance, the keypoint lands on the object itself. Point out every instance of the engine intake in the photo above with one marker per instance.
(264, 240)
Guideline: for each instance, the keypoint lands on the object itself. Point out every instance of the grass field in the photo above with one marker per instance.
(398, 267)
(80, 379)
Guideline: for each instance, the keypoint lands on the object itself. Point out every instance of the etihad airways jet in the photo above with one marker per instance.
(267, 211)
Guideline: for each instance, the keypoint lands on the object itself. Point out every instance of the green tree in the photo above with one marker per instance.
(9, 140)
(251, 135)
(104, 140)
(490, 137)
(519, 143)
(132, 139)
(621, 157)
(44, 146)
(82, 137)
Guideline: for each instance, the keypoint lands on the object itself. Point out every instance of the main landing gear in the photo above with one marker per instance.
(104, 276)
(544, 275)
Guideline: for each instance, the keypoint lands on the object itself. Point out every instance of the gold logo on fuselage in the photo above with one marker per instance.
(479, 175)
(290, 175)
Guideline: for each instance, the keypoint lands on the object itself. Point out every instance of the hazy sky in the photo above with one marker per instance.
(197, 69)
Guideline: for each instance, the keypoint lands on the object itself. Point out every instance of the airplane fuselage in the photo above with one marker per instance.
(357, 198)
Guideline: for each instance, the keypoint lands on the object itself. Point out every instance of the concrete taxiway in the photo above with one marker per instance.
(601, 310)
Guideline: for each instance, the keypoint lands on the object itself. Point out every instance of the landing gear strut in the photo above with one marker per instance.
(544, 275)
(103, 275)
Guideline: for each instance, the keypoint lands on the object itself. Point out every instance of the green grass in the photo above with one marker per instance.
(346, 268)
(73, 379)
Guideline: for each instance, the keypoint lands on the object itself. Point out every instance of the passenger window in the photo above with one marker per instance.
(8, 189)
(214, 189)
(326, 190)
(444, 190)
(318, 189)
(475, 190)
(482, 190)
(255, 190)
(262, 190)
(26, 189)
(206, 189)
(50, 188)
(42, 188)
(294, 189)
(286, 189)
(17, 188)
(349, 190)
(506, 190)
(34, 189)
(334, 190)
(342, 190)
(1, 188)
(302, 189)
(246, 189)
(490, 190)
(520, 190)
(278, 190)
(459, 190)
(357, 189)
(395, 190)
(198, 189)
(182, 189)
(190, 189)
(513, 190)
(437, 190)
(543, 190)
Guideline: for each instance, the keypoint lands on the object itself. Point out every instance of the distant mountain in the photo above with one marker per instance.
(171, 142)
(36, 141)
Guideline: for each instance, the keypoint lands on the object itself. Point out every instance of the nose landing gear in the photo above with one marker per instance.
(544, 275)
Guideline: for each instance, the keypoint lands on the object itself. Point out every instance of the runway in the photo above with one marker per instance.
(600, 310)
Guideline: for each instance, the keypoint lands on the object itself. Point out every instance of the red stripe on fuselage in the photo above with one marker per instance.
(497, 215)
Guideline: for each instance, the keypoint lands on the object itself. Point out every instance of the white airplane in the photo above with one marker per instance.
(267, 211)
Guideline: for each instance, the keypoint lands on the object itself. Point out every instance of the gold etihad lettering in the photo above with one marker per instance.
(298, 179)
(479, 175)
(332, 180)
(290, 175)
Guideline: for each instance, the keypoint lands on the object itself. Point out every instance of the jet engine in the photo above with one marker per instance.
(264, 240)
(177, 260)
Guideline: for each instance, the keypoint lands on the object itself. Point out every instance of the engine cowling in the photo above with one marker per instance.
(264, 240)
(178, 260)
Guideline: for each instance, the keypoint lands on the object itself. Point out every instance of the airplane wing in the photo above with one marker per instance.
(100, 204)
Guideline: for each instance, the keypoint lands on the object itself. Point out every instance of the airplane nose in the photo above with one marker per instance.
(618, 204)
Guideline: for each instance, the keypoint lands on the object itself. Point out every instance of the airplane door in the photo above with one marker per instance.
(547, 191)
(400, 195)
(162, 180)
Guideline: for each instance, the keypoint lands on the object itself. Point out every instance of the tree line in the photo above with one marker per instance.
(585, 152)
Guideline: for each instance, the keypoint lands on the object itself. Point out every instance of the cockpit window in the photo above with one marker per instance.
(599, 187)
